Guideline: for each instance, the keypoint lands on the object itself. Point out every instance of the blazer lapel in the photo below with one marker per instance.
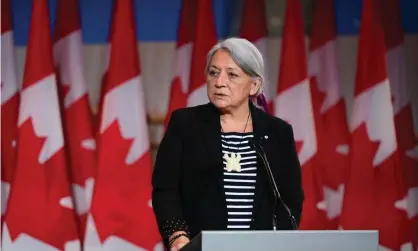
(211, 133)
(260, 132)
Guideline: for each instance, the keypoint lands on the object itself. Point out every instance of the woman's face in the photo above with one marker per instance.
(228, 86)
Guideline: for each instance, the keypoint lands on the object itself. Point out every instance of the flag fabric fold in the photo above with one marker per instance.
(121, 215)
(40, 202)
(75, 107)
(204, 39)
(182, 60)
(402, 108)
(294, 104)
(9, 105)
(375, 183)
(332, 159)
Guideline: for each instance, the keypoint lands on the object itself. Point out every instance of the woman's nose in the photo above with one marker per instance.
(220, 80)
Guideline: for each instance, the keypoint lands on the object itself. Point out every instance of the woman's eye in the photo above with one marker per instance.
(232, 75)
(212, 73)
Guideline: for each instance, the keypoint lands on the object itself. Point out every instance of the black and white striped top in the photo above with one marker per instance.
(239, 186)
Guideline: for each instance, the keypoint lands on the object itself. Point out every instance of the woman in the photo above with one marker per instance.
(207, 174)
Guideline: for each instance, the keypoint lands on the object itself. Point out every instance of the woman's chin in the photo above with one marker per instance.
(220, 104)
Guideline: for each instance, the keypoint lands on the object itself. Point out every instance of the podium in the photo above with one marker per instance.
(324, 240)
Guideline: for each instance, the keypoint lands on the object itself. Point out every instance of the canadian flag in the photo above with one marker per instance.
(374, 183)
(77, 119)
(204, 38)
(331, 161)
(121, 215)
(254, 29)
(40, 215)
(9, 104)
(182, 60)
(293, 104)
(402, 109)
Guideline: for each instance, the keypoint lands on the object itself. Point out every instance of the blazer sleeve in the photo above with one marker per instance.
(166, 180)
(292, 190)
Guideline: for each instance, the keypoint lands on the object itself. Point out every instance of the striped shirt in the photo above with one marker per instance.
(239, 186)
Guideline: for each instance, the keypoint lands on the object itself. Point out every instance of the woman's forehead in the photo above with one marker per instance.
(222, 60)
(226, 67)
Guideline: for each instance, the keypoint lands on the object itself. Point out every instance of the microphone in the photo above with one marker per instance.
(277, 197)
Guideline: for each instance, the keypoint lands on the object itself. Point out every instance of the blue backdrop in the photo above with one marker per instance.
(157, 19)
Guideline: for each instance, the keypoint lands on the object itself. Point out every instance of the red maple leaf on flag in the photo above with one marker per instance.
(85, 152)
(410, 164)
(37, 193)
(372, 192)
(358, 205)
(390, 220)
(332, 138)
(312, 217)
(406, 146)
(331, 160)
(121, 204)
(80, 158)
(70, 112)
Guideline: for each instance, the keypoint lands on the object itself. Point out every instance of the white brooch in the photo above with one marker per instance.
(232, 162)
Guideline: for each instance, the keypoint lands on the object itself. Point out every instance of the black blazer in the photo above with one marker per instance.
(187, 177)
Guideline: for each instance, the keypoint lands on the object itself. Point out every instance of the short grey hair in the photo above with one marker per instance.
(245, 54)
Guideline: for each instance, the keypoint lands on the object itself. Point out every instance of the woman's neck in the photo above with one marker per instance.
(237, 120)
(236, 115)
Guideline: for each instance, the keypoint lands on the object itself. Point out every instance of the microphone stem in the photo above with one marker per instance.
(275, 191)
(274, 215)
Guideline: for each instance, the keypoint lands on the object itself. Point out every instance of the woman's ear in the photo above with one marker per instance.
(255, 87)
